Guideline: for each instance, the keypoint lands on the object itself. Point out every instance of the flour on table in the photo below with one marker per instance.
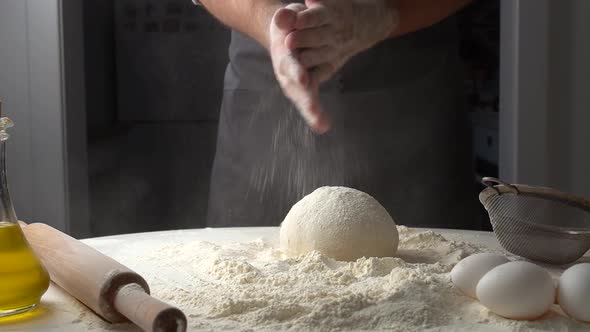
(253, 286)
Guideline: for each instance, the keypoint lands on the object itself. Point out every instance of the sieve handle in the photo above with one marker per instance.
(491, 182)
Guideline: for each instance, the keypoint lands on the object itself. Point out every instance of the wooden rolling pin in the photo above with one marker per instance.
(110, 289)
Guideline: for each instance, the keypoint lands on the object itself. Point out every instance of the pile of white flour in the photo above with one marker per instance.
(252, 286)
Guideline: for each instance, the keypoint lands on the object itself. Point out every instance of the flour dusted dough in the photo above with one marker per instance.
(342, 223)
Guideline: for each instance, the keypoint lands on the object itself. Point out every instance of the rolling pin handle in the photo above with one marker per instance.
(148, 313)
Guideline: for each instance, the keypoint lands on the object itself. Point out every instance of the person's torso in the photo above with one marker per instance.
(398, 133)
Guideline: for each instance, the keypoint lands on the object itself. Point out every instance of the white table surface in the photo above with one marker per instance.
(59, 312)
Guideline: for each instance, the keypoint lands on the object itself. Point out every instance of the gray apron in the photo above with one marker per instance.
(400, 133)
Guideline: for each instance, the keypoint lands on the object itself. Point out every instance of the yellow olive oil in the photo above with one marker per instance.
(23, 279)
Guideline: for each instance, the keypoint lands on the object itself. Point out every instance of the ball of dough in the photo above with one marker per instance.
(342, 223)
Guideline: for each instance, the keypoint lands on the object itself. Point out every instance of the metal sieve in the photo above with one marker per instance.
(538, 223)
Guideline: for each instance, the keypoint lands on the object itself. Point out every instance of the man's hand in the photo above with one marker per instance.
(308, 44)
(292, 76)
(329, 32)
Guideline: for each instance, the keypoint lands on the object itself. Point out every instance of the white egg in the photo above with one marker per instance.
(467, 273)
(574, 292)
(517, 290)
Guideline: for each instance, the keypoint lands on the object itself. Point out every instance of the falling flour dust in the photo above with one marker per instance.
(292, 161)
(253, 286)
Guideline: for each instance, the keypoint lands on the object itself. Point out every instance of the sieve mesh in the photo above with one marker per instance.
(538, 223)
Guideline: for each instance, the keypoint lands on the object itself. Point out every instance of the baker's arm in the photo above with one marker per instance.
(330, 32)
(251, 17)
(415, 15)
(269, 22)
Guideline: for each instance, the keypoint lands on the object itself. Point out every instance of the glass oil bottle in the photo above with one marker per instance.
(23, 279)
